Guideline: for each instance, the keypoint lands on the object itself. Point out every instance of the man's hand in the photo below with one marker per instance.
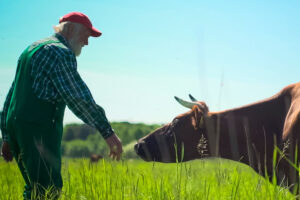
(115, 146)
(6, 153)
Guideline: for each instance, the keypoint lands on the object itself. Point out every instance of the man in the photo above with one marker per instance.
(32, 119)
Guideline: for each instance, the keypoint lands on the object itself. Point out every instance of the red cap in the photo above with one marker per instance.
(80, 18)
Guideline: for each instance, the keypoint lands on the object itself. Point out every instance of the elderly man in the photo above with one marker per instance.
(32, 119)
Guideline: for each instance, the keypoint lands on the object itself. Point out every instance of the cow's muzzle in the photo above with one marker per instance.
(142, 150)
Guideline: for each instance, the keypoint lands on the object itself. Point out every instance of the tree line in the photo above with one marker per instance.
(81, 140)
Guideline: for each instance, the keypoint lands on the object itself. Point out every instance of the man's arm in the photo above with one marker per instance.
(77, 96)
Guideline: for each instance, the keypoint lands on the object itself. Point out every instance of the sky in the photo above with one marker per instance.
(225, 53)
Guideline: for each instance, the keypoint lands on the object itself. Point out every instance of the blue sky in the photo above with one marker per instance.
(226, 53)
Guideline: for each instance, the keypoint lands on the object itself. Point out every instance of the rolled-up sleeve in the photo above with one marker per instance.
(77, 96)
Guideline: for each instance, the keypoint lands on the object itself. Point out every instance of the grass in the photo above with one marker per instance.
(135, 179)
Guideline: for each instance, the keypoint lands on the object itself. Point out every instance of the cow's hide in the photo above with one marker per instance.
(249, 134)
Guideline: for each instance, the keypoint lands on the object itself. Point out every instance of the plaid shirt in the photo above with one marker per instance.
(55, 78)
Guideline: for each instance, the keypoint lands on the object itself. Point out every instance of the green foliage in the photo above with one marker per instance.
(82, 140)
(97, 144)
(76, 148)
(129, 132)
(77, 131)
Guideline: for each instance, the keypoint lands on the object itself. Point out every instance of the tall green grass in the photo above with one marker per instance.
(135, 179)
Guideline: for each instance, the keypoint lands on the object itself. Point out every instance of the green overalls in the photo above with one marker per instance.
(35, 131)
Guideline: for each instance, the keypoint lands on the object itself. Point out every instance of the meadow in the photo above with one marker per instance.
(137, 180)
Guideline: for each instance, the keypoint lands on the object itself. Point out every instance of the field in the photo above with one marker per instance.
(135, 179)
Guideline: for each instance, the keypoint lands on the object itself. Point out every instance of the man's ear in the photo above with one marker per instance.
(69, 30)
(291, 123)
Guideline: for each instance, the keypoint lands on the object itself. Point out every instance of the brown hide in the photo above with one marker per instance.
(247, 134)
(95, 157)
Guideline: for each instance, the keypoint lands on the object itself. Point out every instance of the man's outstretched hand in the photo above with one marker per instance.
(6, 153)
(115, 146)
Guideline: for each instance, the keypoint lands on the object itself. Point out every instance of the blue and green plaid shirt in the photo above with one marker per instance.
(55, 78)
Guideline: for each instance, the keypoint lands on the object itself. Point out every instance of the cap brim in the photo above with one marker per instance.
(95, 32)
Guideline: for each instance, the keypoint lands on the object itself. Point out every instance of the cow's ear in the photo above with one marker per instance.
(197, 118)
(291, 123)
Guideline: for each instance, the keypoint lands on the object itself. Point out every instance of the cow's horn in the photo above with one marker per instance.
(192, 98)
(184, 103)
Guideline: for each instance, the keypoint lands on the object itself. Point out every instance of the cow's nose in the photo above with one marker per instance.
(138, 147)
(142, 151)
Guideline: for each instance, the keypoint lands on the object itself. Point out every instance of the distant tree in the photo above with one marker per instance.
(69, 134)
(76, 148)
(77, 131)
(97, 144)
(138, 133)
(84, 131)
(70, 131)
(80, 139)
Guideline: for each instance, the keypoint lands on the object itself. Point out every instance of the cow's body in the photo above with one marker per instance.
(248, 134)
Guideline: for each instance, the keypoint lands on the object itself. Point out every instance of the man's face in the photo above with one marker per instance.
(78, 39)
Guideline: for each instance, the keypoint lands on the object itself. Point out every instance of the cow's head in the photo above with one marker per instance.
(181, 140)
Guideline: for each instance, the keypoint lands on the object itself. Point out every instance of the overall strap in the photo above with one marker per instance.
(35, 48)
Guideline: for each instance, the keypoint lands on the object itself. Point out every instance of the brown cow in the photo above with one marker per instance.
(248, 134)
(95, 157)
